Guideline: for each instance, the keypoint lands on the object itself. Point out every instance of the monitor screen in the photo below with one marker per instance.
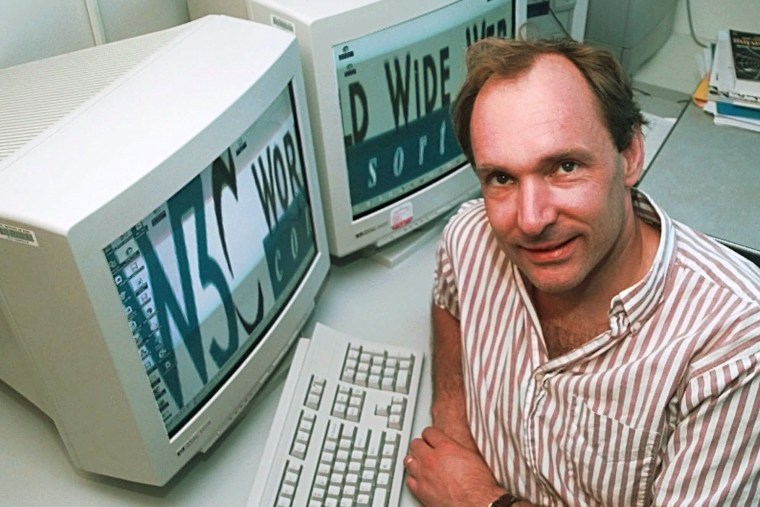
(395, 87)
(381, 76)
(239, 233)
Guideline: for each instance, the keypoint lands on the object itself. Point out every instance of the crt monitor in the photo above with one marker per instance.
(380, 77)
(161, 235)
(634, 30)
(551, 18)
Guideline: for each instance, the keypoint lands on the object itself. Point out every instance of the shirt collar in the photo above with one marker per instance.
(636, 303)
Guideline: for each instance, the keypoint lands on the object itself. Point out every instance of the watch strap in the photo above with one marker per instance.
(504, 500)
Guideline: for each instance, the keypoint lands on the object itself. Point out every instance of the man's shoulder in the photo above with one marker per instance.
(716, 263)
(700, 256)
(468, 229)
(470, 214)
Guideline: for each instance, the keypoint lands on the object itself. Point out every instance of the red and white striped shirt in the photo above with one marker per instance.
(661, 409)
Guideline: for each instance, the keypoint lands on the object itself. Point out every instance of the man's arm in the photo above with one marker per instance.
(448, 408)
(444, 467)
(713, 454)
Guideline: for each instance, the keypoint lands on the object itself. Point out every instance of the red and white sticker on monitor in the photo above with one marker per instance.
(18, 235)
(401, 216)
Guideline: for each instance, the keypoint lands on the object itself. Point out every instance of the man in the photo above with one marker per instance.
(588, 350)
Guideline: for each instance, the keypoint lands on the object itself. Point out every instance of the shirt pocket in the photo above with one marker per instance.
(609, 463)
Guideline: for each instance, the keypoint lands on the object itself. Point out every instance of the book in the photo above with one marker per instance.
(727, 109)
(733, 83)
(745, 49)
(738, 102)
(723, 85)
(731, 120)
(745, 63)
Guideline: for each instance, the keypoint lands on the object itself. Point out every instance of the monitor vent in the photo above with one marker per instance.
(36, 96)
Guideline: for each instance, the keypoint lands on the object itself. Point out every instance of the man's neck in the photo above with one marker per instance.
(572, 318)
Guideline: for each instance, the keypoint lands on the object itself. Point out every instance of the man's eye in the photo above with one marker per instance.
(500, 179)
(567, 167)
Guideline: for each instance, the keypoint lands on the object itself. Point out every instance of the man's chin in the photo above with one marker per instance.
(550, 282)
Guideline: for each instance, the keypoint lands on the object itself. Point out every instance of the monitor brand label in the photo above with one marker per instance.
(18, 235)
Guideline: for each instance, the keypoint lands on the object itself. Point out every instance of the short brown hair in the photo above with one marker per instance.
(508, 58)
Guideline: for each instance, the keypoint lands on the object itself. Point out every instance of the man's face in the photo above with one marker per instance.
(555, 187)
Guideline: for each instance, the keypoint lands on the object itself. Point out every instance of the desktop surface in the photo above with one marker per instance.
(362, 298)
(707, 177)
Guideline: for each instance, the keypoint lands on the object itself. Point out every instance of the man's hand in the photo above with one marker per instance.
(443, 473)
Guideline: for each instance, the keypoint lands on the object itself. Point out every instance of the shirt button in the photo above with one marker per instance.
(635, 327)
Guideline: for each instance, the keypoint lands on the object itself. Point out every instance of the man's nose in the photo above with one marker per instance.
(536, 209)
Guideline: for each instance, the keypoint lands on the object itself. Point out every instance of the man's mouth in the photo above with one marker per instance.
(549, 252)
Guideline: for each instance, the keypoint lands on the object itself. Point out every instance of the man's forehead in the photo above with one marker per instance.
(547, 111)
(553, 88)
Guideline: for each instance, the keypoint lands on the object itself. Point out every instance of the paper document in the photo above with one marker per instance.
(655, 134)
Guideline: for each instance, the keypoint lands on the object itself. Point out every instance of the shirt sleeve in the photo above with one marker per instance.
(713, 454)
(466, 228)
(445, 293)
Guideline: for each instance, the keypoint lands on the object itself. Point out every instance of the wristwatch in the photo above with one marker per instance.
(504, 500)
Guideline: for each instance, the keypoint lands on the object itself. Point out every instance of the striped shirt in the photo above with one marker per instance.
(661, 409)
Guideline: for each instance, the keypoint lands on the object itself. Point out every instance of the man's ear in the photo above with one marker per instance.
(633, 157)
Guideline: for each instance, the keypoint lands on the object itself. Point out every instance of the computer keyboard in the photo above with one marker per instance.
(342, 426)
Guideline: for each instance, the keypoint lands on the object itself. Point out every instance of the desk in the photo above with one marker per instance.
(708, 177)
(362, 298)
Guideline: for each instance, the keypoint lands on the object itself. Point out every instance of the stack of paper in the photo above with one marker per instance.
(733, 92)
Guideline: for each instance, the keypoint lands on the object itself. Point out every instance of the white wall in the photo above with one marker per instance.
(33, 29)
(709, 16)
(127, 18)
